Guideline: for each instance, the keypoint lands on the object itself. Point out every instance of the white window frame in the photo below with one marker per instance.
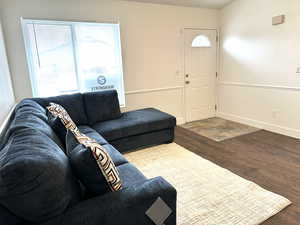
(30, 59)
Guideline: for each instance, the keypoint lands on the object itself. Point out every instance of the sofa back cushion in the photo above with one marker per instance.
(75, 106)
(72, 103)
(93, 165)
(29, 114)
(101, 106)
(58, 128)
(85, 167)
(7, 218)
(36, 180)
(96, 154)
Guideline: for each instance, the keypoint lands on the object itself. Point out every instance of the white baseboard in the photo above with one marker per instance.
(261, 124)
(180, 120)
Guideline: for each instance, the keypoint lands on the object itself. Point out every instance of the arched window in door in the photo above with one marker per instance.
(201, 41)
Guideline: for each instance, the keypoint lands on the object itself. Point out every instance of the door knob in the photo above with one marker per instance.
(187, 82)
(186, 75)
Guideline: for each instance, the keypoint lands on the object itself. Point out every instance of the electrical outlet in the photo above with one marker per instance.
(298, 70)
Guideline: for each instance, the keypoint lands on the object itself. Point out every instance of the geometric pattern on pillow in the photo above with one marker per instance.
(103, 159)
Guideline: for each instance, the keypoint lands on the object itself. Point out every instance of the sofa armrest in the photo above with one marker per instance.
(126, 207)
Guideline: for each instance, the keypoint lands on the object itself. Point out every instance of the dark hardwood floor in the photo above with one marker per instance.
(268, 159)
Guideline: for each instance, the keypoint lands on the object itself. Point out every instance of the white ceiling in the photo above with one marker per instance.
(214, 4)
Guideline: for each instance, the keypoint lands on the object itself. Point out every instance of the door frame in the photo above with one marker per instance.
(182, 31)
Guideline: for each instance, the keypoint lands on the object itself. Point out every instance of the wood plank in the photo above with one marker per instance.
(268, 159)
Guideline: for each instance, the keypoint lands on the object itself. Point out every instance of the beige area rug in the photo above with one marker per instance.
(219, 129)
(207, 193)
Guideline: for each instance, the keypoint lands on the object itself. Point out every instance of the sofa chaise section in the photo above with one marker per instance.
(126, 131)
(138, 128)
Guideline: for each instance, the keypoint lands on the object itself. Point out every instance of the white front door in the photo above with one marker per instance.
(200, 63)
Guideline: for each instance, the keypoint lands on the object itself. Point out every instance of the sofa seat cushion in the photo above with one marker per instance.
(101, 106)
(36, 180)
(130, 175)
(72, 142)
(116, 156)
(135, 123)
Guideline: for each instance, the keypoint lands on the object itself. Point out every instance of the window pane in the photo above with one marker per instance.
(55, 67)
(99, 58)
(67, 57)
(201, 41)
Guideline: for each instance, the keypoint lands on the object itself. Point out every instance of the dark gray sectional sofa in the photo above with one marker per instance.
(38, 185)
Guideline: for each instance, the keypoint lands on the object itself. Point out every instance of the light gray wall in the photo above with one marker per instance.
(258, 83)
(153, 49)
(7, 98)
(152, 44)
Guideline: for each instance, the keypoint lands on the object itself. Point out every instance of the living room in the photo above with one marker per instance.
(185, 93)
